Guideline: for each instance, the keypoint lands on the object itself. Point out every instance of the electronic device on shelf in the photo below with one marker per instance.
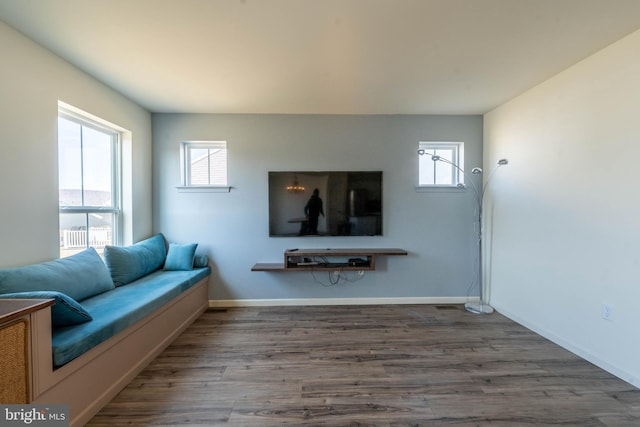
(355, 259)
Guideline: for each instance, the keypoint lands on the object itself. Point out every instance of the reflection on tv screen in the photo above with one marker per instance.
(312, 203)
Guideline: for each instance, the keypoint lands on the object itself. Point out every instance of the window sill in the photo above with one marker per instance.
(204, 189)
(440, 189)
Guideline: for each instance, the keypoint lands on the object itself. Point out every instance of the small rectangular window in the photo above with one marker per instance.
(204, 164)
(440, 164)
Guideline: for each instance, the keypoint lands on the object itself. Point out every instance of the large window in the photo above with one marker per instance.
(446, 172)
(204, 164)
(88, 183)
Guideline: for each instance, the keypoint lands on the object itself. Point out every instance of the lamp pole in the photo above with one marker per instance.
(480, 307)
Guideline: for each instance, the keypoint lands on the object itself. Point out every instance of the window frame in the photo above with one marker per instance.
(185, 167)
(457, 173)
(116, 135)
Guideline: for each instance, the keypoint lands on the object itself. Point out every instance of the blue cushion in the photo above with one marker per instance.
(79, 276)
(180, 257)
(116, 310)
(129, 263)
(64, 312)
(200, 261)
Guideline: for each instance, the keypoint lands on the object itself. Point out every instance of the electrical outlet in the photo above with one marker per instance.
(607, 311)
(360, 273)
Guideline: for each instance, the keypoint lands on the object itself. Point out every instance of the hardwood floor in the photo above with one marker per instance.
(390, 365)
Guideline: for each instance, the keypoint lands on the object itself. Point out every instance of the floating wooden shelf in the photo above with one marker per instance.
(352, 259)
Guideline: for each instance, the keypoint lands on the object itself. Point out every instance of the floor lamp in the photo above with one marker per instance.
(481, 307)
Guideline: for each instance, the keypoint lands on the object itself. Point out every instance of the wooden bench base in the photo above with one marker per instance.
(90, 381)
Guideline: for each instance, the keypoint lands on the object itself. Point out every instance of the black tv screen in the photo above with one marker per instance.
(345, 204)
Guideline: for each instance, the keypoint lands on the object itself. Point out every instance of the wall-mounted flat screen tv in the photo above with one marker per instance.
(312, 203)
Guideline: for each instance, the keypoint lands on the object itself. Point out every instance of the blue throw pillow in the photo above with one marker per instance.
(200, 261)
(129, 263)
(65, 311)
(79, 276)
(180, 257)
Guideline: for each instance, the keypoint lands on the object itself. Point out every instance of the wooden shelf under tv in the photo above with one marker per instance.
(368, 257)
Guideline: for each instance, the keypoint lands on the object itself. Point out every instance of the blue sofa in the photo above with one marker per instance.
(94, 299)
(114, 314)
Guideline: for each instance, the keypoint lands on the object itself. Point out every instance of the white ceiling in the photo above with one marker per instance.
(322, 56)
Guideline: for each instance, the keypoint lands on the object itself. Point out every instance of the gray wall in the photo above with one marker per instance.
(32, 81)
(566, 210)
(232, 228)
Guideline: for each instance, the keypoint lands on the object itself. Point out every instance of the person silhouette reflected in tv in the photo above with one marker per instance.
(312, 211)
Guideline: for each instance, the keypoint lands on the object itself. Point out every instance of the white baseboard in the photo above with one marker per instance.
(586, 355)
(337, 301)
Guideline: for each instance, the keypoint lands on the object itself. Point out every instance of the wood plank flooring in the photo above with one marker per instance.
(390, 365)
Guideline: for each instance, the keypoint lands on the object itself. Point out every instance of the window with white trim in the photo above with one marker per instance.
(204, 164)
(445, 172)
(88, 183)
